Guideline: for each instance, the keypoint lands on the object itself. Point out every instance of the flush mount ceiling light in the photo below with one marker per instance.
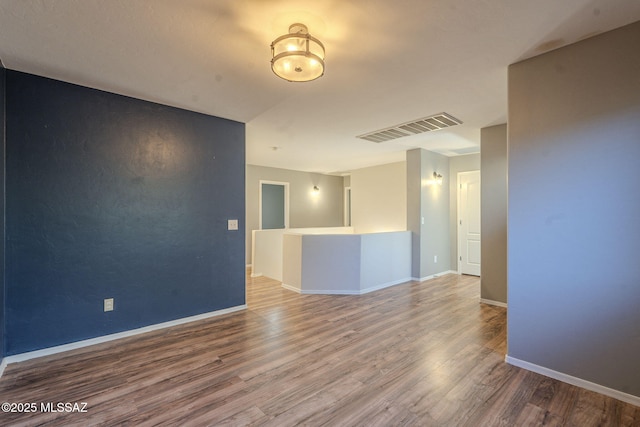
(297, 56)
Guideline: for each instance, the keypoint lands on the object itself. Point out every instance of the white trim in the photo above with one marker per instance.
(346, 292)
(248, 266)
(328, 292)
(286, 201)
(3, 365)
(256, 274)
(106, 338)
(347, 207)
(458, 194)
(579, 382)
(385, 285)
(290, 288)
(492, 302)
(433, 276)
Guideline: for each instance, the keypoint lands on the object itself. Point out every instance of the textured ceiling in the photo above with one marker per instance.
(387, 63)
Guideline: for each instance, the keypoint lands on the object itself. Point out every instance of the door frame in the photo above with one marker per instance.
(347, 207)
(286, 201)
(458, 219)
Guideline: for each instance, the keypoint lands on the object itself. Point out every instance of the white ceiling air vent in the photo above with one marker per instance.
(427, 124)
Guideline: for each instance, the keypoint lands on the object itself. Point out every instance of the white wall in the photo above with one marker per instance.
(379, 198)
(266, 251)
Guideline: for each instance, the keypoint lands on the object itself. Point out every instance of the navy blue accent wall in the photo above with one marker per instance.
(2, 170)
(114, 197)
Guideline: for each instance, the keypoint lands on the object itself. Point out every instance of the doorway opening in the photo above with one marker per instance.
(274, 205)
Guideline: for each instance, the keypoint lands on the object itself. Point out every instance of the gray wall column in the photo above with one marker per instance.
(574, 239)
(428, 212)
(493, 157)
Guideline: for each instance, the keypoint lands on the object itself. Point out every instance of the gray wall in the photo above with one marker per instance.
(493, 154)
(305, 209)
(469, 162)
(574, 239)
(431, 202)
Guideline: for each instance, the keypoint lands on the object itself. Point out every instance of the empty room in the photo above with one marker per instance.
(341, 213)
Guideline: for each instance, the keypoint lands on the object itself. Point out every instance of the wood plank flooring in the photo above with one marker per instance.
(419, 354)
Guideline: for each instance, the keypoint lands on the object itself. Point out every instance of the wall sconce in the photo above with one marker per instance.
(316, 190)
(437, 178)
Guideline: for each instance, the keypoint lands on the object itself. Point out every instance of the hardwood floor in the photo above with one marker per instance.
(422, 354)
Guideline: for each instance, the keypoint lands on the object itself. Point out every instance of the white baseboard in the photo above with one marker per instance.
(433, 276)
(385, 285)
(106, 338)
(256, 275)
(2, 366)
(248, 265)
(492, 302)
(290, 288)
(345, 292)
(327, 292)
(579, 382)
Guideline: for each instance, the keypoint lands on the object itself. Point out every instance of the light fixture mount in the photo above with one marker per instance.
(437, 178)
(298, 29)
(297, 56)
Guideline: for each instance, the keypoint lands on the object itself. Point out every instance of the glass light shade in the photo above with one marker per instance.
(297, 56)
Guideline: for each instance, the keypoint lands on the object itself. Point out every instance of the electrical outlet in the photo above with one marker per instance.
(232, 224)
(108, 304)
(435, 258)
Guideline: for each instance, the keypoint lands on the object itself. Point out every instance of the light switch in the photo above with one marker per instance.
(232, 224)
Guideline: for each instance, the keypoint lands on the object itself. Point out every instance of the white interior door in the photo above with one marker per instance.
(469, 223)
